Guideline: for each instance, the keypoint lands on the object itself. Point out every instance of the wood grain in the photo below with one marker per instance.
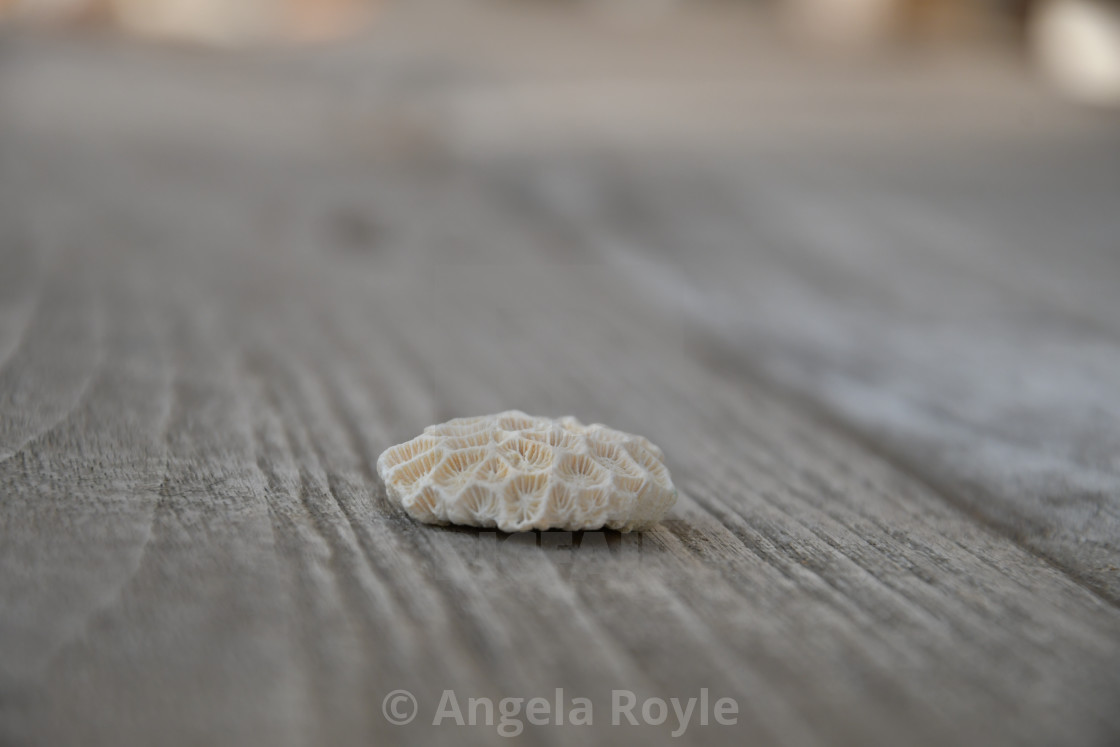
(949, 339)
(886, 397)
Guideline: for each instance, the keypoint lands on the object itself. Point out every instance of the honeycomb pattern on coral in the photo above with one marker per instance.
(518, 472)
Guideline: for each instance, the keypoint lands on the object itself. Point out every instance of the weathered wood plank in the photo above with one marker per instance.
(980, 362)
(213, 335)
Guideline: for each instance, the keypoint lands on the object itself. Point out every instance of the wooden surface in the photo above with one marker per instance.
(873, 322)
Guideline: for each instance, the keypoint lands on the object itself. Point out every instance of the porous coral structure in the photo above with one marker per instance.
(517, 472)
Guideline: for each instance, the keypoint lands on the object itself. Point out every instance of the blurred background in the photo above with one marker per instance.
(1074, 43)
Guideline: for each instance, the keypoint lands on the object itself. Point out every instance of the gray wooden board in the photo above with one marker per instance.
(887, 399)
(975, 344)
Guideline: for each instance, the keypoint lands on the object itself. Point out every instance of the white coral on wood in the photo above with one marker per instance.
(517, 472)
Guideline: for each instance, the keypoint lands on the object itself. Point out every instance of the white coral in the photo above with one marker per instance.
(517, 472)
